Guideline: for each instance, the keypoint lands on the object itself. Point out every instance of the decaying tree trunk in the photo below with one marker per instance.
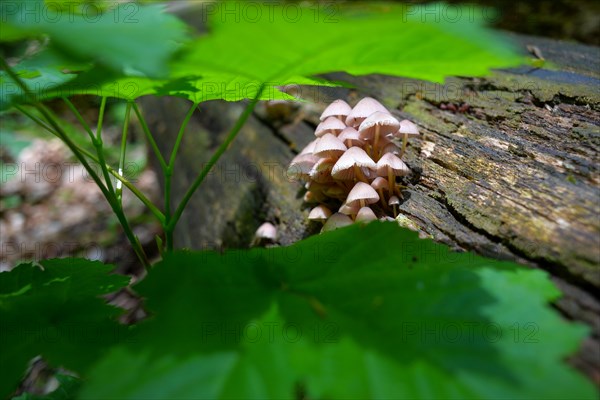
(507, 166)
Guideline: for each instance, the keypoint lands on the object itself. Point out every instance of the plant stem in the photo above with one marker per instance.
(123, 151)
(169, 174)
(79, 118)
(213, 160)
(97, 142)
(150, 138)
(52, 121)
(155, 211)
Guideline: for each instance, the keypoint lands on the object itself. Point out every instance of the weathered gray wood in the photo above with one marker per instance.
(508, 167)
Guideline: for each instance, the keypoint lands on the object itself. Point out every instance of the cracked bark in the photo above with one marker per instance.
(508, 167)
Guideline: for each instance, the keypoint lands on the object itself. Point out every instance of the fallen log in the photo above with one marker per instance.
(507, 167)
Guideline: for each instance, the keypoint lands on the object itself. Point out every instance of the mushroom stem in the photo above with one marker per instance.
(382, 198)
(359, 174)
(361, 202)
(404, 141)
(391, 181)
(395, 211)
(376, 141)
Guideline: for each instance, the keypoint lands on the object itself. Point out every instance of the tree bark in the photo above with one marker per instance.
(507, 167)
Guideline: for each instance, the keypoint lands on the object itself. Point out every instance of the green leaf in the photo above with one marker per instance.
(42, 74)
(56, 312)
(130, 38)
(242, 52)
(362, 312)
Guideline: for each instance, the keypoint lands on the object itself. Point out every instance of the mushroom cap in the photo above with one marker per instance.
(362, 191)
(362, 110)
(330, 125)
(301, 165)
(389, 161)
(308, 149)
(336, 221)
(365, 214)
(379, 183)
(266, 231)
(351, 134)
(321, 171)
(329, 145)
(319, 213)
(386, 122)
(394, 200)
(349, 209)
(391, 148)
(344, 167)
(339, 108)
(407, 128)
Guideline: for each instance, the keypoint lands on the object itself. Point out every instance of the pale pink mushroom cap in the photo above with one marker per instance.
(308, 149)
(362, 110)
(389, 161)
(349, 209)
(344, 167)
(321, 171)
(336, 221)
(362, 191)
(386, 122)
(329, 145)
(339, 108)
(319, 213)
(301, 165)
(350, 136)
(266, 231)
(330, 125)
(391, 148)
(365, 214)
(379, 183)
(407, 128)
(394, 201)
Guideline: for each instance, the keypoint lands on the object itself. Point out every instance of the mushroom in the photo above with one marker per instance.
(330, 125)
(329, 146)
(301, 165)
(407, 129)
(390, 148)
(349, 209)
(362, 193)
(336, 221)
(379, 184)
(394, 202)
(365, 215)
(308, 149)
(321, 171)
(338, 109)
(265, 233)
(362, 110)
(350, 137)
(378, 123)
(320, 213)
(390, 165)
(351, 165)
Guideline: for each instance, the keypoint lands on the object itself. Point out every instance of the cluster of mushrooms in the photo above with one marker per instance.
(354, 160)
